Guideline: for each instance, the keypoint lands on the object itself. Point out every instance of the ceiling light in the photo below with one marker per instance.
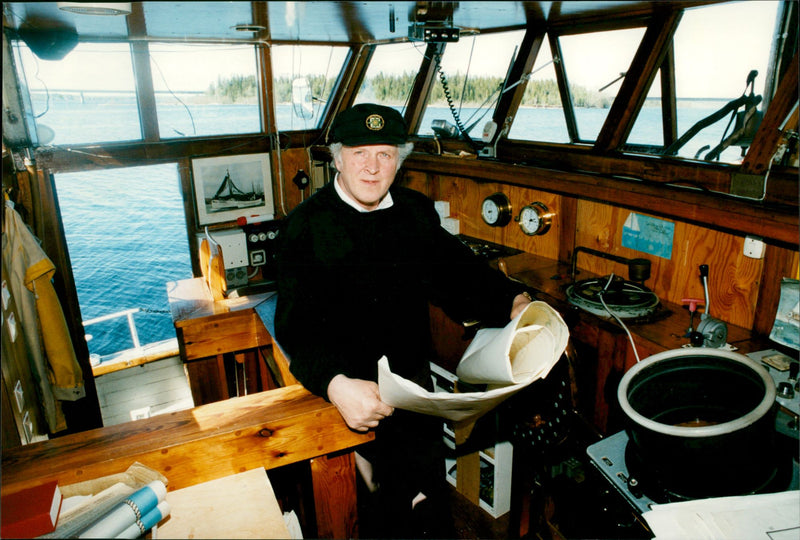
(96, 8)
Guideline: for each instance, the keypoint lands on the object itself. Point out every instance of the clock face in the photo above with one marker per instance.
(496, 210)
(529, 219)
(534, 218)
(490, 212)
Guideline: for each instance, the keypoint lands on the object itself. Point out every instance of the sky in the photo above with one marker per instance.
(709, 63)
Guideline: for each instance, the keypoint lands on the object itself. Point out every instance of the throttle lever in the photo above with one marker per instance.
(714, 331)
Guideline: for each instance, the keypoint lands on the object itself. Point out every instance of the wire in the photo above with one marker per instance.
(179, 100)
(449, 98)
(46, 89)
(630, 337)
(466, 75)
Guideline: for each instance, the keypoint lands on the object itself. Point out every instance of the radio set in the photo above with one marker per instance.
(261, 246)
(244, 251)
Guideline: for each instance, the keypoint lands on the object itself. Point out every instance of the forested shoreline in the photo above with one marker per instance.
(393, 88)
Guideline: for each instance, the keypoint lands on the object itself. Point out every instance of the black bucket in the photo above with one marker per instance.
(701, 423)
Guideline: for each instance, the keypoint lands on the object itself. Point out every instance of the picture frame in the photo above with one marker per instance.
(230, 187)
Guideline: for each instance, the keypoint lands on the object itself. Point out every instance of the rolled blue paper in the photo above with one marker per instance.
(123, 515)
(145, 499)
(149, 521)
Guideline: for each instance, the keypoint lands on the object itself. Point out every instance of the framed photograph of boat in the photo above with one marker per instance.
(230, 187)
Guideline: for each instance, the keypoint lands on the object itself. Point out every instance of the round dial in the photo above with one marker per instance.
(496, 210)
(535, 218)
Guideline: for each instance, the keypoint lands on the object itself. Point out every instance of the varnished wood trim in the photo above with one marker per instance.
(766, 140)
(426, 78)
(111, 155)
(640, 75)
(669, 111)
(511, 99)
(569, 223)
(334, 498)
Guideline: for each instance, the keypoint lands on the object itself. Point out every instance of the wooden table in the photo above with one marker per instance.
(264, 430)
(221, 342)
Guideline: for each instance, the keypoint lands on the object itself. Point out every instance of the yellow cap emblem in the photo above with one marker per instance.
(375, 122)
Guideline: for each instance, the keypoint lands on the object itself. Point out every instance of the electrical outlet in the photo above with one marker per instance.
(754, 247)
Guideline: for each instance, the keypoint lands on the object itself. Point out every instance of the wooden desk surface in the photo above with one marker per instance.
(552, 278)
(238, 506)
(267, 429)
(190, 301)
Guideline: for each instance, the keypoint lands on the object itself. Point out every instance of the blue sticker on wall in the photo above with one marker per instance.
(648, 234)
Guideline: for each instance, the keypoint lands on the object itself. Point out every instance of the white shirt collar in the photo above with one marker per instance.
(386, 202)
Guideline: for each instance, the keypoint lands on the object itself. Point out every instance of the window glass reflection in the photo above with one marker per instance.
(88, 96)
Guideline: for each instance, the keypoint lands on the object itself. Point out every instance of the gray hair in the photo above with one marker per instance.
(403, 151)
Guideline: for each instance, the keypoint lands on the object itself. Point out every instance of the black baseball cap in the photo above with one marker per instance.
(368, 123)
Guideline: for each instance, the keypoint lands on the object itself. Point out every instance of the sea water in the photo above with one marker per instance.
(126, 230)
(127, 238)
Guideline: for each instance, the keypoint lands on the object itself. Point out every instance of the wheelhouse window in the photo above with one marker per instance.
(648, 128)
(391, 73)
(541, 115)
(202, 90)
(304, 77)
(470, 78)
(716, 49)
(88, 96)
(595, 65)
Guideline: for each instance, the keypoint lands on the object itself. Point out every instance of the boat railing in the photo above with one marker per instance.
(136, 355)
(124, 313)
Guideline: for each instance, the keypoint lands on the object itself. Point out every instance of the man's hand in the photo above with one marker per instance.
(358, 401)
(521, 301)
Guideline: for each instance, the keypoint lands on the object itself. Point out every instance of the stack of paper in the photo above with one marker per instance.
(773, 516)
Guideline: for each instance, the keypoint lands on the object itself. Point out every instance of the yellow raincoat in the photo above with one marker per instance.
(28, 272)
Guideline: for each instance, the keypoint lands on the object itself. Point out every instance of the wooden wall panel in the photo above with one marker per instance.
(466, 197)
(292, 160)
(735, 281)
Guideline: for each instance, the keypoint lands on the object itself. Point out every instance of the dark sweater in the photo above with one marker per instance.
(353, 287)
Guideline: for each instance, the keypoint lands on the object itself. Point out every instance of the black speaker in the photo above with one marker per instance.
(49, 43)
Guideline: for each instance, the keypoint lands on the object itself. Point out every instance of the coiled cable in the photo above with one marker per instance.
(449, 98)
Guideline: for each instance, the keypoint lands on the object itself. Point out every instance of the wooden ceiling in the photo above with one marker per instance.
(337, 22)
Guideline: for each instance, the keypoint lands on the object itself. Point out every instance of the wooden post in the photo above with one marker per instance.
(334, 481)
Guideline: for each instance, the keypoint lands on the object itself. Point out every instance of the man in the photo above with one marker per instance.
(358, 264)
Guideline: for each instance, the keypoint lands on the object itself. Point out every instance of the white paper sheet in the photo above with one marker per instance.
(772, 516)
(507, 359)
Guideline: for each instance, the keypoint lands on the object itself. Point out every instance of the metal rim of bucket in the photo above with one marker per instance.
(700, 431)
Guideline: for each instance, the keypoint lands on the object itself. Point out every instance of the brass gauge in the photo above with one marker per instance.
(535, 219)
(496, 210)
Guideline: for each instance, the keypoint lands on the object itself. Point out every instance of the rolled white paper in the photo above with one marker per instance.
(128, 512)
